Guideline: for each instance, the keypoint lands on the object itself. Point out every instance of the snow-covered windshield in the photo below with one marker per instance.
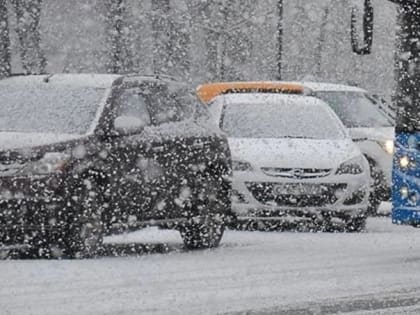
(279, 120)
(355, 109)
(48, 108)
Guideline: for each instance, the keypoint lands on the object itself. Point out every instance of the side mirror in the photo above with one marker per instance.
(129, 124)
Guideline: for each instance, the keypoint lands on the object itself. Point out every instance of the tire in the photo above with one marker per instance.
(84, 236)
(203, 235)
(376, 189)
(211, 203)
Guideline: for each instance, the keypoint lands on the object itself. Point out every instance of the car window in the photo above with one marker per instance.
(132, 103)
(355, 109)
(58, 108)
(281, 119)
(169, 102)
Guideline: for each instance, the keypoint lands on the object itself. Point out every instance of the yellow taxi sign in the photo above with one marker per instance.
(207, 92)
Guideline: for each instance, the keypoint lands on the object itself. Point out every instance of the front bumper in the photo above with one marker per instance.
(255, 197)
(21, 221)
(29, 209)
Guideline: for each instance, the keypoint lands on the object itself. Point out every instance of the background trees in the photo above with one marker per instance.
(28, 16)
(197, 40)
(4, 41)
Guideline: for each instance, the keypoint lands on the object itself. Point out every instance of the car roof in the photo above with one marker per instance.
(332, 87)
(207, 92)
(294, 99)
(69, 79)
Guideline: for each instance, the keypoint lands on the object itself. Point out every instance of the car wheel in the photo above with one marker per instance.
(85, 232)
(202, 235)
(376, 190)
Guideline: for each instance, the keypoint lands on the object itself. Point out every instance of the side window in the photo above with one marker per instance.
(168, 102)
(163, 104)
(133, 104)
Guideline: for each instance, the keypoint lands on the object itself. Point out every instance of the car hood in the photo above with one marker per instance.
(293, 153)
(376, 134)
(21, 140)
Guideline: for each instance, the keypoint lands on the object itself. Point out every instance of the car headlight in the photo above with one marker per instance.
(406, 162)
(353, 166)
(404, 192)
(51, 162)
(241, 166)
(387, 145)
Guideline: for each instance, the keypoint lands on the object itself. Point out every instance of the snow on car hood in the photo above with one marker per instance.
(22, 140)
(377, 134)
(293, 153)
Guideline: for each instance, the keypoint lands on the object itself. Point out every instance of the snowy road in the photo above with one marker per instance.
(263, 273)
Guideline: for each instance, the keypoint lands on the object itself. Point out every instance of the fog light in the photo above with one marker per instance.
(356, 197)
(404, 192)
(237, 197)
(404, 162)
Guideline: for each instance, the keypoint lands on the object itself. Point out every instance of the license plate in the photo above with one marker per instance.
(296, 189)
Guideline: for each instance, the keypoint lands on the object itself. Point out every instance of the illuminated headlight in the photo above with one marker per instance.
(51, 162)
(353, 167)
(404, 192)
(241, 166)
(388, 146)
(405, 162)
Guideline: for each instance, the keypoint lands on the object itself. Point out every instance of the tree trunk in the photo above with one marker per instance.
(161, 31)
(279, 39)
(408, 68)
(28, 15)
(322, 40)
(5, 68)
(120, 57)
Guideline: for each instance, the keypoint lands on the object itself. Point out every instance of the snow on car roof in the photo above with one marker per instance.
(69, 79)
(319, 86)
(272, 97)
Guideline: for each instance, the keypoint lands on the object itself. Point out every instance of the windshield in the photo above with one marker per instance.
(355, 109)
(280, 120)
(48, 108)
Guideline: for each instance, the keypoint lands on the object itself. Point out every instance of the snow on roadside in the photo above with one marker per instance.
(251, 270)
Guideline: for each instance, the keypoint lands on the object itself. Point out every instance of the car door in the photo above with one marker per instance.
(131, 193)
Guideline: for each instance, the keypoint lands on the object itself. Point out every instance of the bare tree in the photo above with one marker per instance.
(322, 39)
(28, 15)
(118, 37)
(5, 68)
(162, 39)
(279, 38)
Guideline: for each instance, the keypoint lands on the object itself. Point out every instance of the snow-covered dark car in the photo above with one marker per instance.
(83, 156)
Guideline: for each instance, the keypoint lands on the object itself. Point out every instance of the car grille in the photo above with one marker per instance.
(298, 173)
(265, 193)
(12, 162)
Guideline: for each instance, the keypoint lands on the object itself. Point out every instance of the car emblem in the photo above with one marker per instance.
(297, 173)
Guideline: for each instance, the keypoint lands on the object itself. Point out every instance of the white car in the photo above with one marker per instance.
(293, 161)
(371, 127)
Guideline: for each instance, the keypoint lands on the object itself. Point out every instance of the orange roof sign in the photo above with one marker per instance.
(207, 92)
